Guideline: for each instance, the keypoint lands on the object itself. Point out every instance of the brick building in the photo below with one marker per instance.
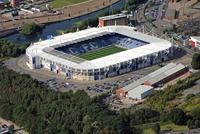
(117, 19)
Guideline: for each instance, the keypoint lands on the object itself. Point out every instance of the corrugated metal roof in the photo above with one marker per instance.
(156, 76)
(135, 83)
(148, 77)
(166, 74)
(138, 91)
(175, 69)
(163, 69)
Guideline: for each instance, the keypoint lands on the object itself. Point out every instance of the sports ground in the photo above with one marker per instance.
(62, 3)
(101, 52)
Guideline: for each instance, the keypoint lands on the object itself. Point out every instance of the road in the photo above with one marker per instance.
(8, 123)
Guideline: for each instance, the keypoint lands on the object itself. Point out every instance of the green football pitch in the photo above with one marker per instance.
(101, 53)
(62, 3)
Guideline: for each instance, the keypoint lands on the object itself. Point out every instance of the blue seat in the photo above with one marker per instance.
(101, 42)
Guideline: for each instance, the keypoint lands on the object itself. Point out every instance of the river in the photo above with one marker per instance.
(51, 29)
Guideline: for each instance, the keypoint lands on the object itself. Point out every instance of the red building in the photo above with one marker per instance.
(117, 19)
(195, 41)
(13, 3)
(121, 92)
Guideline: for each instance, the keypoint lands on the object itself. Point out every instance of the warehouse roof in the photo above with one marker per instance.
(156, 76)
(155, 45)
(111, 17)
(165, 74)
(138, 91)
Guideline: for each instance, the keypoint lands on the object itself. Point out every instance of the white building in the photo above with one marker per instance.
(142, 51)
(140, 92)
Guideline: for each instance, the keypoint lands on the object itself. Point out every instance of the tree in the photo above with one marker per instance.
(196, 61)
(9, 49)
(144, 115)
(16, 51)
(40, 110)
(195, 113)
(195, 121)
(177, 116)
(189, 96)
(30, 29)
(87, 129)
(160, 100)
(156, 128)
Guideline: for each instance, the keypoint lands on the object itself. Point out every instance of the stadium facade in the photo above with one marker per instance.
(63, 54)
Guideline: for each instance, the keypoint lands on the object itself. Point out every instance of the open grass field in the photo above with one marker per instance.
(101, 53)
(62, 3)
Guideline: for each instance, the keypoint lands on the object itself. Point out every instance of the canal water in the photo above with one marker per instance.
(51, 29)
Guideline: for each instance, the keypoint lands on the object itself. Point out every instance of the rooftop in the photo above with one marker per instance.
(165, 74)
(155, 45)
(111, 17)
(138, 91)
(156, 76)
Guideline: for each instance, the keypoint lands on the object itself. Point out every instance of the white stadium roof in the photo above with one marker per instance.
(155, 45)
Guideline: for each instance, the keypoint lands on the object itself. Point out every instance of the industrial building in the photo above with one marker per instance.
(62, 54)
(116, 19)
(195, 41)
(155, 79)
(140, 92)
(165, 74)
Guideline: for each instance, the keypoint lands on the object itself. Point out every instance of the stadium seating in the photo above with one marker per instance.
(101, 42)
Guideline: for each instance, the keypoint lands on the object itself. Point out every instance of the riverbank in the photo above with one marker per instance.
(7, 32)
(68, 12)
(54, 27)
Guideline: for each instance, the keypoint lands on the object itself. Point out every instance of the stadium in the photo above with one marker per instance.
(98, 53)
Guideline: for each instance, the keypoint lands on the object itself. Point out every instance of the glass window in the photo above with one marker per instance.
(33, 60)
